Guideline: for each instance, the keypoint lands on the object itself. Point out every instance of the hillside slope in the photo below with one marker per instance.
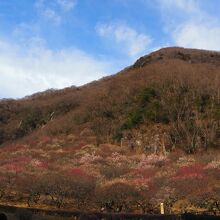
(151, 92)
(148, 134)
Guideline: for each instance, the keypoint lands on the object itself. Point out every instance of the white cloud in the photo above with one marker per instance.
(53, 10)
(66, 5)
(186, 5)
(47, 12)
(198, 35)
(51, 15)
(189, 25)
(40, 68)
(132, 42)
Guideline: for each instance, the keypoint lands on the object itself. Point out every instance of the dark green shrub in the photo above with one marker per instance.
(203, 102)
(146, 95)
(217, 111)
(134, 119)
(2, 136)
(34, 119)
(118, 134)
(108, 114)
(64, 107)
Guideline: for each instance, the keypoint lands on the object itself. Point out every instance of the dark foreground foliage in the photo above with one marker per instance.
(32, 214)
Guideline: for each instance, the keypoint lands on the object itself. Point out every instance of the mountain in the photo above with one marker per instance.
(115, 105)
(153, 127)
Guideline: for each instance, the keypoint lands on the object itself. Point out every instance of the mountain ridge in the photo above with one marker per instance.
(180, 53)
(151, 69)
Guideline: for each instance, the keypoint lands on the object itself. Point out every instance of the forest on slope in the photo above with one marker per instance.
(147, 134)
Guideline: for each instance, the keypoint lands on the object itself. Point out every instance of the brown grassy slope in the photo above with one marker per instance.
(104, 105)
(165, 100)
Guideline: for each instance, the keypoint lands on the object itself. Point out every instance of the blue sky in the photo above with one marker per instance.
(58, 43)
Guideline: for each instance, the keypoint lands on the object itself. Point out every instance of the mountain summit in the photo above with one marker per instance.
(190, 55)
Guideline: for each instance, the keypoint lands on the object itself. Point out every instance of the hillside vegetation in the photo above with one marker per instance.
(149, 134)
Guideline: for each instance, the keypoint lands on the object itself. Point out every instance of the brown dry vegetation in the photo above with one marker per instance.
(123, 143)
(176, 88)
